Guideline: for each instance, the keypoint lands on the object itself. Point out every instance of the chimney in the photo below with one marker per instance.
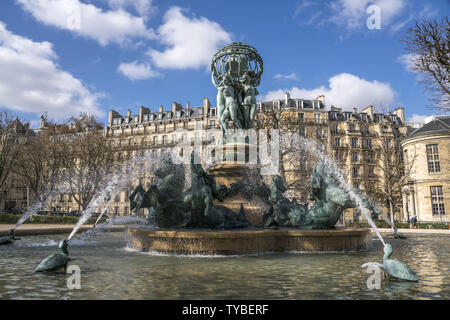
(400, 112)
(287, 98)
(368, 110)
(142, 111)
(161, 108)
(129, 113)
(112, 114)
(175, 107)
(321, 98)
(206, 105)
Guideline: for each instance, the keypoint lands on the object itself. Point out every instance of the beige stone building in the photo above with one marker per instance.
(427, 193)
(351, 136)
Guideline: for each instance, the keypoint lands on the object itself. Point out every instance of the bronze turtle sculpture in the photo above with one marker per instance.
(9, 239)
(392, 267)
(55, 261)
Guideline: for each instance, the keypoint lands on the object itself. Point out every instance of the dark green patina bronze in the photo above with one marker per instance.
(330, 202)
(192, 209)
(236, 71)
(394, 268)
(9, 239)
(55, 261)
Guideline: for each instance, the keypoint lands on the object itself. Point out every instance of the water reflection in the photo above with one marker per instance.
(115, 273)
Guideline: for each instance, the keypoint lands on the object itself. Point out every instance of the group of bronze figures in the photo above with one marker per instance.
(170, 207)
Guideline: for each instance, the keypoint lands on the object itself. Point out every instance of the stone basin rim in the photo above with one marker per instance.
(245, 233)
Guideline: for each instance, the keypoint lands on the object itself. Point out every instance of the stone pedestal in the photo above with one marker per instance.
(232, 161)
(232, 242)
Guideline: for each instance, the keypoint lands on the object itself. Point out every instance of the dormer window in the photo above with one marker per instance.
(136, 119)
(178, 114)
(160, 116)
(145, 117)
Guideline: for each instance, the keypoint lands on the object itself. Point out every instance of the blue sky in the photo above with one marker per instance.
(70, 56)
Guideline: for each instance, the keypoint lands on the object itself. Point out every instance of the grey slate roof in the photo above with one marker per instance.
(438, 125)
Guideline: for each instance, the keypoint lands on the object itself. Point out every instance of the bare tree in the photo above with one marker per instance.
(428, 43)
(13, 135)
(296, 163)
(393, 170)
(40, 164)
(87, 161)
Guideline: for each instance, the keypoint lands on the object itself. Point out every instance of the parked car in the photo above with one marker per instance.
(55, 214)
(15, 211)
(75, 213)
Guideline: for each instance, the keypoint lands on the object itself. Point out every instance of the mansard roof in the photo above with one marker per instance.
(438, 125)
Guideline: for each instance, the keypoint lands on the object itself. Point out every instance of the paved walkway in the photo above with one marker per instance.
(422, 231)
(36, 229)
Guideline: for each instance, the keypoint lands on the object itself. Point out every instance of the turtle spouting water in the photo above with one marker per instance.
(56, 261)
(394, 268)
(9, 239)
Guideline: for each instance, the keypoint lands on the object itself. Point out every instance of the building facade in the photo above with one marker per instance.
(352, 137)
(427, 193)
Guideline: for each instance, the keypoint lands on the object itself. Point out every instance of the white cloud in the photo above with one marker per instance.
(88, 21)
(32, 82)
(190, 42)
(408, 60)
(344, 90)
(352, 13)
(137, 71)
(418, 118)
(290, 76)
(142, 7)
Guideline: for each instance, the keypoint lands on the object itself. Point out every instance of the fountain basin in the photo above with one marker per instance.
(247, 241)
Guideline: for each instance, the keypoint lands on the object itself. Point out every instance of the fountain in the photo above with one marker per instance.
(216, 215)
(224, 212)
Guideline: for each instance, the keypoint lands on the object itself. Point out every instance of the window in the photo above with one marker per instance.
(155, 139)
(355, 156)
(302, 132)
(198, 125)
(185, 124)
(355, 172)
(337, 142)
(351, 127)
(213, 112)
(355, 143)
(356, 185)
(117, 198)
(300, 117)
(369, 144)
(388, 143)
(175, 125)
(164, 139)
(335, 128)
(156, 128)
(437, 200)
(434, 164)
(125, 211)
(317, 117)
(212, 123)
(319, 133)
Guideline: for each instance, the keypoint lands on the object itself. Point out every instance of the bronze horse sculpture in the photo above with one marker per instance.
(330, 202)
(192, 209)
